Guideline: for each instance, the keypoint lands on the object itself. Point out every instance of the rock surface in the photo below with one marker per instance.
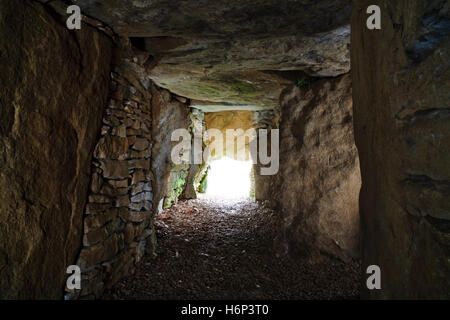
(240, 52)
(168, 114)
(54, 86)
(240, 122)
(401, 79)
(118, 216)
(317, 186)
(197, 171)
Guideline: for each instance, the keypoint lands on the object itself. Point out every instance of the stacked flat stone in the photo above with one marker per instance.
(117, 220)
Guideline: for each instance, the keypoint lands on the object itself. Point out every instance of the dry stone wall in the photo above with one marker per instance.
(117, 218)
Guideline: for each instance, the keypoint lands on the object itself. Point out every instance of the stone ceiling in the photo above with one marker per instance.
(238, 53)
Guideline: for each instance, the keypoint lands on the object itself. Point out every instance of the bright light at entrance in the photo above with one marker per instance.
(228, 178)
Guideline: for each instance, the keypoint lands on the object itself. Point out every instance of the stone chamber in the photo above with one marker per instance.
(87, 116)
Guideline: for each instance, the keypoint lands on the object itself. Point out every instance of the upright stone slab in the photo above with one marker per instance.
(53, 90)
(401, 81)
(317, 186)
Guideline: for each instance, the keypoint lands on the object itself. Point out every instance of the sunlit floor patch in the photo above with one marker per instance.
(228, 179)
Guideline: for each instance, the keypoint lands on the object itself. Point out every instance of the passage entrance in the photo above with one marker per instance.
(229, 179)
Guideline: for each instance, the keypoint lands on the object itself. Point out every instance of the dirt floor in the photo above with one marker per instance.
(212, 249)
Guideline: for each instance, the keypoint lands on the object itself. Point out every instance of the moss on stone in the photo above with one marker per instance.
(303, 83)
(179, 174)
(200, 181)
(203, 184)
(243, 88)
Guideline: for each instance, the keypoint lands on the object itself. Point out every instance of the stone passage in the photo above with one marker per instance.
(85, 153)
(224, 250)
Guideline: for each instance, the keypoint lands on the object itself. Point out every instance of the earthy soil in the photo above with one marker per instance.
(212, 249)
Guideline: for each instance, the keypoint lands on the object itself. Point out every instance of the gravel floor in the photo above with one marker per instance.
(211, 249)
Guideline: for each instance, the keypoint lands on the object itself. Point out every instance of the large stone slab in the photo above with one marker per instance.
(168, 115)
(53, 92)
(226, 51)
(401, 81)
(317, 186)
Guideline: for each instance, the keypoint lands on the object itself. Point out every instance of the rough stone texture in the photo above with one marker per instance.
(226, 51)
(196, 171)
(231, 120)
(53, 91)
(317, 186)
(208, 106)
(401, 77)
(168, 114)
(117, 219)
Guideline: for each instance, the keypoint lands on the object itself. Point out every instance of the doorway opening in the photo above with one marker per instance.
(229, 179)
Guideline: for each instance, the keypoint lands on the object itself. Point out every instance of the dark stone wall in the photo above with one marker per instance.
(401, 81)
(117, 221)
(317, 187)
(54, 85)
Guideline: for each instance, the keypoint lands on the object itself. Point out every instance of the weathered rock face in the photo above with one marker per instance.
(225, 51)
(196, 170)
(54, 86)
(209, 18)
(401, 78)
(168, 114)
(317, 186)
